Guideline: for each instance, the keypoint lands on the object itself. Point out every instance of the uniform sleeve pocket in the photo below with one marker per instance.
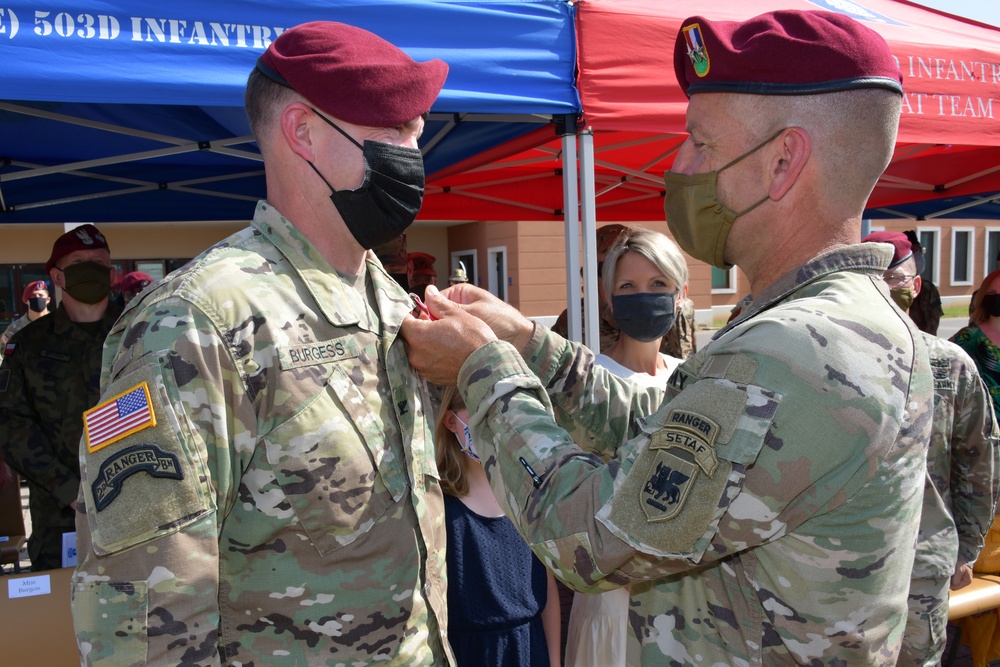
(690, 467)
(114, 615)
(137, 447)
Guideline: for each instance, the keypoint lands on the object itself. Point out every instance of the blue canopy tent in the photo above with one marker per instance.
(116, 111)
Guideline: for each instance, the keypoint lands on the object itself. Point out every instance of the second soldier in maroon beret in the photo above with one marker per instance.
(51, 374)
(259, 477)
(763, 509)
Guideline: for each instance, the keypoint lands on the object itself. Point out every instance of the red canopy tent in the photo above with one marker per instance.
(633, 121)
(949, 138)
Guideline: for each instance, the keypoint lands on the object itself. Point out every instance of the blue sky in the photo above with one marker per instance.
(985, 11)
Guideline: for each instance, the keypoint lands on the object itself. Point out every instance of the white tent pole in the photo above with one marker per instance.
(588, 216)
(571, 215)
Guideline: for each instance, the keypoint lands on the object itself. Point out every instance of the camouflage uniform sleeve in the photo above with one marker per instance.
(146, 588)
(975, 455)
(26, 447)
(743, 454)
(595, 406)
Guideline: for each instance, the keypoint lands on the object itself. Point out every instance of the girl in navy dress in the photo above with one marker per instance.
(503, 607)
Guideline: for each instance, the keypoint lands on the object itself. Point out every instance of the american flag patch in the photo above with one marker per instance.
(118, 417)
(9, 349)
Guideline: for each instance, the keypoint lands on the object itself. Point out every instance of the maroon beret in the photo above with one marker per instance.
(135, 281)
(607, 235)
(31, 288)
(785, 52)
(352, 74)
(84, 237)
(420, 264)
(902, 250)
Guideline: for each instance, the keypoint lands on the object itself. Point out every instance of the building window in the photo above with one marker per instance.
(723, 280)
(992, 260)
(467, 257)
(962, 246)
(929, 238)
(497, 268)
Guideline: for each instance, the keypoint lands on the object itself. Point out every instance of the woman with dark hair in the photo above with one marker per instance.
(981, 339)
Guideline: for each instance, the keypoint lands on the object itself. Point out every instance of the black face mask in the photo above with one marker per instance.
(390, 196)
(645, 316)
(38, 304)
(991, 304)
(88, 282)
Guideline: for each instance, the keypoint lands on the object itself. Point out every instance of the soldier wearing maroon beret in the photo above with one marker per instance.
(763, 509)
(259, 482)
(963, 471)
(51, 373)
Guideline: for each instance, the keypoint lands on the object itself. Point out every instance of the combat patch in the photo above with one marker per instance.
(323, 352)
(941, 369)
(138, 458)
(118, 417)
(682, 449)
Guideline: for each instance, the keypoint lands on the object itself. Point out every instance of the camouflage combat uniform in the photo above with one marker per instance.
(285, 508)
(606, 321)
(12, 329)
(959, 497)
(767, 513)
(681, 341)
(49, 377)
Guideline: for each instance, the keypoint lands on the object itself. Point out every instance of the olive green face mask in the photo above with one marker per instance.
(903, 297)
(699, 222)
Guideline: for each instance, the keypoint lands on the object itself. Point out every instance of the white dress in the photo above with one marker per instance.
(598, 623)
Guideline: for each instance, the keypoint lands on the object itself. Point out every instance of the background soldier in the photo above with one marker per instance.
(50, 375)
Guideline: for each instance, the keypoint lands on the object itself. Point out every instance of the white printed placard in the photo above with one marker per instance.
(69, 549)
(26, 587)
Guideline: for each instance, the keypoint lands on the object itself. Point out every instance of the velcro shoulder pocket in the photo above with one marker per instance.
(143, 468)
(690, 464)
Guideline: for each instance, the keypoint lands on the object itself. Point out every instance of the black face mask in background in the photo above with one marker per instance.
(991, 304)
(390, 196)
(87, 282)
(37, 304)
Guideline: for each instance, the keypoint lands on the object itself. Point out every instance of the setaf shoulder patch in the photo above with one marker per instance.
(669, 496)
(685, 447)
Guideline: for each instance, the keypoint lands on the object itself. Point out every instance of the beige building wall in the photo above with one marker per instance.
(32, 243)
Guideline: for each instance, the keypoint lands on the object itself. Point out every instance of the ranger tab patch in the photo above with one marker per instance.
(137, 458)
(127, 413)
(684, 448)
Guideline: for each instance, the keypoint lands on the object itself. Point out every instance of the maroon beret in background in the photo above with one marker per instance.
(420, 264)
(84, 237)
(607, 235)
(352, 74)
(135, 281)
(902, 250)
(31, 288)
(783, 52)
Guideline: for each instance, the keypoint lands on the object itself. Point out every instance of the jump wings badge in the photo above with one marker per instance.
(696, 50)
(685, 447)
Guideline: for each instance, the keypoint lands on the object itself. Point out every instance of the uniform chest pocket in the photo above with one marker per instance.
(327, 459)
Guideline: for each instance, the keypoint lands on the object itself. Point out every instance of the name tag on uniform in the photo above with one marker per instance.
(323, 352)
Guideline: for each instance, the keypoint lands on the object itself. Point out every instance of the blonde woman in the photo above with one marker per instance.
(644, 274)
